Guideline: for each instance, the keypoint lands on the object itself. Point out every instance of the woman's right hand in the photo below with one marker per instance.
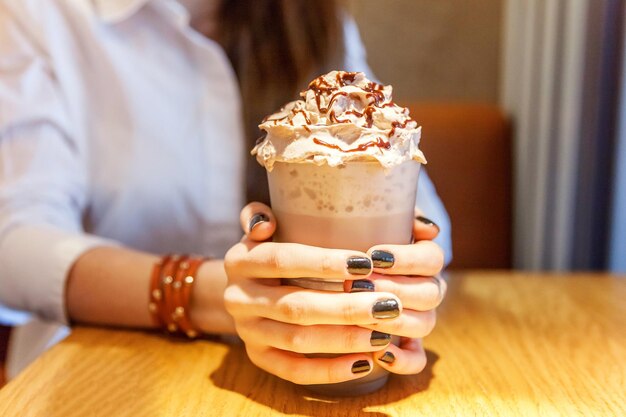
(279, 324)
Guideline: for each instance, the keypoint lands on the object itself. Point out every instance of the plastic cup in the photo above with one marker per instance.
(352, 206)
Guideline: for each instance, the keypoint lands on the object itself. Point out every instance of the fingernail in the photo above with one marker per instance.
(380, 338)
(427, 221)
(362, 285)
(386, 309)
(258, 218)
(382, 259)
(361, 366)
(388, 357)
(359, 265)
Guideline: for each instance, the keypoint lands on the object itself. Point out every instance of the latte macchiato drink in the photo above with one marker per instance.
(355, 206)
(342, 167)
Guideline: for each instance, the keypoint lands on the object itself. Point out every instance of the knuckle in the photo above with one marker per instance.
(292, 312)
(430, 296)
(333, 373)
(298, 340)
(244, 331)
(278, 260)
(231, 299)
(351, 340)
(428, 321)
(433, 257)
(350, 312)
(327, 265)
(414, 263)
(436, 258)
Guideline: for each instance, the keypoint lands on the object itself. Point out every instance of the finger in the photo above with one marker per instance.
(423, 258)
(257, 221)
(424, 229)
(416, 293)
(301, 370)
(293, 260)
(443, 285)
(407, 359)
(307, 307)
(312, 339)
(410, 323)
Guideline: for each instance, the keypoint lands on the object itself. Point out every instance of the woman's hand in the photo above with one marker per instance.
(279, 324)
(412, 273)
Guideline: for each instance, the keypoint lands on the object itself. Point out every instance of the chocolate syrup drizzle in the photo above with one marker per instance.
(395, 125)
(379, 142)
(368, 113)
(375, 95)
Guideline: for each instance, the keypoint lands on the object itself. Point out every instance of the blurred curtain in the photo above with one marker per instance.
(561, 66)
(617, 256)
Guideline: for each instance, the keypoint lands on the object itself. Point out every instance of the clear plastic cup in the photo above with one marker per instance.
(353, 206)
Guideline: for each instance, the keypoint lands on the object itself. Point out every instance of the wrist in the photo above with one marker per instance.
(207, 310)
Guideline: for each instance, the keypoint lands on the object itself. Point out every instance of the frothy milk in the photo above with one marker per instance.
(355, 206)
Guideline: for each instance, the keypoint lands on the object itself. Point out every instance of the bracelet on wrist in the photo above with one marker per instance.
(171, 284)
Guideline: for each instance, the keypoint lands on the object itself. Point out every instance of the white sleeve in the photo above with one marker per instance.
(431, 205)
(427, 199)
(42, 177)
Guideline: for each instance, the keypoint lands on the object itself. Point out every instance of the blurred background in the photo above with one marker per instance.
(524, 122)
(441, 50)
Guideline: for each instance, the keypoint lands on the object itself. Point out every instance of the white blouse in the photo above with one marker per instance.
(119, 124)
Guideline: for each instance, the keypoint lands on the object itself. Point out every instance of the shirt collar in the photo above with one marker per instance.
(116, 11)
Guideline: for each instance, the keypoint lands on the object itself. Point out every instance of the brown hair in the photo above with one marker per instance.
(275, 47)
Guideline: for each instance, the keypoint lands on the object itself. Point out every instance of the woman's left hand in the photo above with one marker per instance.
(400, 270)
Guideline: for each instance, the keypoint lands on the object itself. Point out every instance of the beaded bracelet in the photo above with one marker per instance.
(183, 282)
(155, 305)
(171, 283)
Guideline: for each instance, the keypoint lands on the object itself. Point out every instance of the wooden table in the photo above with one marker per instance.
(507, 344)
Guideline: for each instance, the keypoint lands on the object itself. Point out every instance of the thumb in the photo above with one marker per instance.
(257, 221)
(424, 228)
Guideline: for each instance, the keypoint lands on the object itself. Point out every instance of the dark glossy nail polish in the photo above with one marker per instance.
(380, 338)
(382, 259)
(362, 285)
(427, 221)
(361, 366)
(359, 265)
(257, 219)
(386, 309)
(388, 357)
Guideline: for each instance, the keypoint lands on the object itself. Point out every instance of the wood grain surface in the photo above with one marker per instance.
(506, 344)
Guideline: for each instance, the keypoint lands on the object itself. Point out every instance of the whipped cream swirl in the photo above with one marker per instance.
(343, 117)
